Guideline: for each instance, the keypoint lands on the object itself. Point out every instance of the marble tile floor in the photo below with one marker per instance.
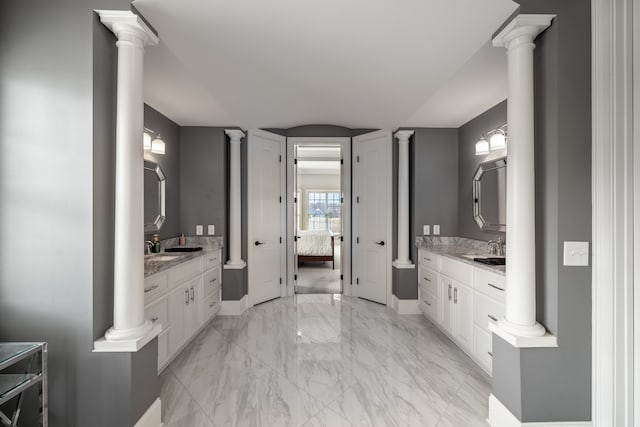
(323, 360)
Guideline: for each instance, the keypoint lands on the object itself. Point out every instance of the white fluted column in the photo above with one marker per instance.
(520, 293)
(130, 330)
(403, 260)
(235, 201)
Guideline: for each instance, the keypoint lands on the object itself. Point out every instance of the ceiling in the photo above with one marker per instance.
(357, 63)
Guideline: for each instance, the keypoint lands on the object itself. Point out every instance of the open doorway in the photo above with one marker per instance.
(318, 214)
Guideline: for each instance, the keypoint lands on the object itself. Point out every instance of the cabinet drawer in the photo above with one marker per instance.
(158, 312)
(429, 280)
(211, 260)
(184, 272)
(487, 310)
(429, 304)
(490, 284)
(457, 270)
(429, 260)
(482, 348)
(154, 285)
(163, 348)
(211, 281)
(211, 305)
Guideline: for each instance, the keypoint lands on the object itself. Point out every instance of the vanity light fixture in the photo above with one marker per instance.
(157, 145)
(482, 146)
(146, 141)
(497, 140)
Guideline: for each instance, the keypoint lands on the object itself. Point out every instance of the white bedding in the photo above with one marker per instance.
(315, 243)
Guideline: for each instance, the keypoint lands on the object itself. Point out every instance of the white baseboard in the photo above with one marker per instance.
(234, 308)
(405, 306)
(152, 416)
(500, 416)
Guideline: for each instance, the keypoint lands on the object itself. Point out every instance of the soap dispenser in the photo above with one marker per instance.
(156, 244)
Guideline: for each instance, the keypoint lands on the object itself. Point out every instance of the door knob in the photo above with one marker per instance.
(381, 243)
(257, 243)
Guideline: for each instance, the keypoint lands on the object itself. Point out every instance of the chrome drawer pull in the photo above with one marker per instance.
(428, 280)
(495, 287)
(193, 293)
(428, 259)
(155, 319)
(150, 289)
(492, 318)
(455, 295)
(186, 296)
(489, 353)
(449, 293)
(427, 302)
(212, 280)
(212, 304)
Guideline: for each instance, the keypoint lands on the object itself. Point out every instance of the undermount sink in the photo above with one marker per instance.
(163, 258)
(488, 260)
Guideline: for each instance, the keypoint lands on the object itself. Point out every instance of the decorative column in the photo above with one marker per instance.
(520, 322)
(403, 260)
(130, 330)
(235, 201)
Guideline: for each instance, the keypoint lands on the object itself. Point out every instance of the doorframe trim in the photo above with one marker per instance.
(389, 189)
(250, 236)
(345, 253)
(615, 208)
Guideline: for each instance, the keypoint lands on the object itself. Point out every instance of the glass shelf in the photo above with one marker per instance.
(9, 351)
(12, 384)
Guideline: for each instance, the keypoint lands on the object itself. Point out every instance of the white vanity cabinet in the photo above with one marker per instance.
(467, 299)
(183, 299)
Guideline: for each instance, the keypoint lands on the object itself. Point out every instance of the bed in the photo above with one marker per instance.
(316, 245)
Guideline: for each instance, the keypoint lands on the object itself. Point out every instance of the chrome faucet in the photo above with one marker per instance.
(147, 247)
(496, 247)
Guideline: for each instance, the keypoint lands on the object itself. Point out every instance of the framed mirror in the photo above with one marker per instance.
(155, 188)
(490, 195)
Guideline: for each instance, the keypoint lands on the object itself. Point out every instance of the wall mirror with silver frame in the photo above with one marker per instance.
(490, 195)
(155, 188)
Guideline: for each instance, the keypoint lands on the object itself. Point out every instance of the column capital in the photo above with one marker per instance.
(236, 135)
(403, 135)
(522, 25)
(122, 22)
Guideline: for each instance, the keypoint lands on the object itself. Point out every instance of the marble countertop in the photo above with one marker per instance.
(456, 248)
(153, 265)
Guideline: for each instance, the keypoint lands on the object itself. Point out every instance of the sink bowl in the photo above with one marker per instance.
(163, 258)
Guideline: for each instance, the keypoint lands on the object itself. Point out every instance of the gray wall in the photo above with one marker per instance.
(170, 164)
(433, 189)
(468, 164)
(555, 383)
(56, 193)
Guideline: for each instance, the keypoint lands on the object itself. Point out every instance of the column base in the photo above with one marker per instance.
(128, 340)
(235, 265)
(516, 335)
(403, 264)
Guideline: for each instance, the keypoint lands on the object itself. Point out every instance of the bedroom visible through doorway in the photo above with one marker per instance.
(318, 215)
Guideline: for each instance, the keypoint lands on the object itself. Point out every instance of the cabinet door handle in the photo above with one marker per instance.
(495, 287)
(150, 289)
(489, 353)
(155, 319)
(193, 293)
(213, 280)
(492, 318)
(212, 304)
(428, 280)
(427, 302)
(449, 292)
(455, 295)
(186, 296)
(427, 258)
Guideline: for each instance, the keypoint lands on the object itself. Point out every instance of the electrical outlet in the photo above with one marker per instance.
(211, 230)
(426, 230)
(436, 230)
(576, 253)
(199, 230)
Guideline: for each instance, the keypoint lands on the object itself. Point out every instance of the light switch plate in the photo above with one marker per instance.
(211, 230)
(199, 230)
(576, 253)
(426, 230)
(436, 230)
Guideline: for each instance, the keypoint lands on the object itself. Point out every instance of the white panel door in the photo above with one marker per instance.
(266, 215)
(372, 215)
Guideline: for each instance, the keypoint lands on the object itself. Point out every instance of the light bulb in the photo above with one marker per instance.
(158, 146)
(482, 146)
(146, 141)
(498, 140)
